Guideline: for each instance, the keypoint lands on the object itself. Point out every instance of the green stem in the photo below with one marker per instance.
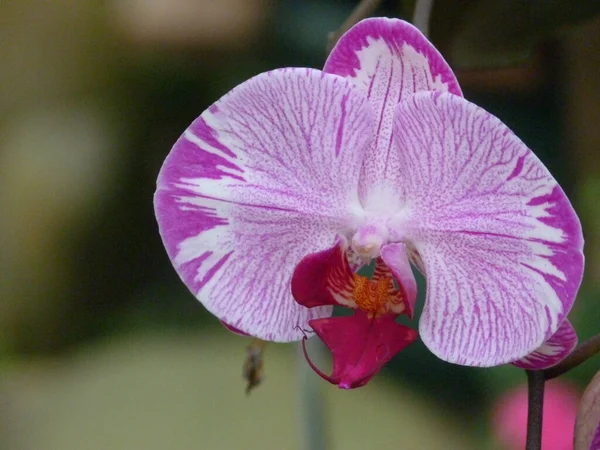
(535, 410)
(582, 353)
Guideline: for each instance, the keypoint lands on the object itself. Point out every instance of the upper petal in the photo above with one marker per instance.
(499, 241)
(551, 352)
(388, 59)
(263, 177)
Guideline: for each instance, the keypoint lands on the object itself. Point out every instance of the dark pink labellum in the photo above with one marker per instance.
(360, 345)
(321, 274)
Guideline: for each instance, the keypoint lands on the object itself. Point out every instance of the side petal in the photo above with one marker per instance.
(500, 243)
(262, 178)
(553, 351)
(325, 278)
(395, 257)
(388, 59)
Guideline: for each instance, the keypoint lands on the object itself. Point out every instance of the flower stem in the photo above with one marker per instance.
(363, 10)
(582, 353)
(535, 410)
(535, 384)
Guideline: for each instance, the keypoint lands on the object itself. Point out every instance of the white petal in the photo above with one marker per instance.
(265, 176)
(500, 243)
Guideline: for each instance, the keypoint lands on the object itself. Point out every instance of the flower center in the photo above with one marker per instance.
(372, 296)
(368, 239)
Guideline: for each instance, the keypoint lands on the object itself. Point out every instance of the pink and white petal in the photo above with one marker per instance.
(388, 59)
(553, 351)
(500, 243)
(395, 257)
(325, 278)
(262, 178)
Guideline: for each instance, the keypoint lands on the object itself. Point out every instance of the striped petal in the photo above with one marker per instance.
(553, 351)
(388, 59)
(265, 176)
(500, 244)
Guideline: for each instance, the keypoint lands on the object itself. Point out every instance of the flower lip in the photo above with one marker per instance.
(362, 343)
(395, 263)
(360, 346)
(325, 278)
(376, 297)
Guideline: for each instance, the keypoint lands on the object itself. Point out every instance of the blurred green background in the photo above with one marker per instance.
(101, 345)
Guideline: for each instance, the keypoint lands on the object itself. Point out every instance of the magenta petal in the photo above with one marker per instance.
(395, 257)
(324, 278)
(361, 346)
(553, 351)
(388, 60)
(265, 176)
(500, 244)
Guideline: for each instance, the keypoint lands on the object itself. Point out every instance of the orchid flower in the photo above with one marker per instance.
(274, 198)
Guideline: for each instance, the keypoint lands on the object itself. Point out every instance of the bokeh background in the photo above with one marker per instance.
(101, 345)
